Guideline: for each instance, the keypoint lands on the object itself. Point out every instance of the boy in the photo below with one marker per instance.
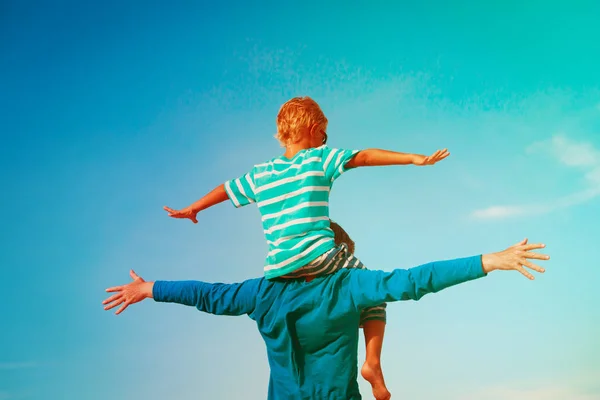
(292, 194)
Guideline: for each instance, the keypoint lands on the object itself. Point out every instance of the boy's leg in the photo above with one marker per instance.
(372, 320)
(371, 369)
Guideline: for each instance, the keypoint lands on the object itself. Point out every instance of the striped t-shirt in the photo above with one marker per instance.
(293, 199)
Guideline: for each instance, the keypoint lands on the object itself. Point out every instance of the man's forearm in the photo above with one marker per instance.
(378, 157)
(216, 196)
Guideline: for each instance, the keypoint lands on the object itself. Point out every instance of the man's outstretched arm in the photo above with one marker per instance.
(369, 288)
(213, 298)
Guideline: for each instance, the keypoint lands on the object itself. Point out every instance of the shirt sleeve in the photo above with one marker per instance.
(369, 288)
(334, 161)
(241, 190)
(212, 298)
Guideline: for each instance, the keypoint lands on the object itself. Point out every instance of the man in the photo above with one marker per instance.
(311, 327)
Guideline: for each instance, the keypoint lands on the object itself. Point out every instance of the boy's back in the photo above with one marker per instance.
(292, 195)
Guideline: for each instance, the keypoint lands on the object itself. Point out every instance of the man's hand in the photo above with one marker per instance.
(515, 258)
(183, 213)
(432, 159)
(131, 293)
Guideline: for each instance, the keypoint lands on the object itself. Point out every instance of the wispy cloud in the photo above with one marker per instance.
(17, 365)
(580, 155)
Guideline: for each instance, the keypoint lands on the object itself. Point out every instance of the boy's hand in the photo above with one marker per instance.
(132, 293)
(432, 159)
(183, 213)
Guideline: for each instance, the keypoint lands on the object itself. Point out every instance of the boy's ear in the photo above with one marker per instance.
(314, 130)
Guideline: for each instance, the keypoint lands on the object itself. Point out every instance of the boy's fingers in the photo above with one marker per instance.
(440, 155)
(115, 289)
(171, 211)
(133, 275)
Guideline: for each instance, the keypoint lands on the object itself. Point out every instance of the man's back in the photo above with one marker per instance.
(311, 335)
(311, 328)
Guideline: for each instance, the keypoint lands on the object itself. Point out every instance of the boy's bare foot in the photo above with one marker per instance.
(374, 375)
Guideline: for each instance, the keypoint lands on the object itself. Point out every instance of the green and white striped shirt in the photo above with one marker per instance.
(293, 199)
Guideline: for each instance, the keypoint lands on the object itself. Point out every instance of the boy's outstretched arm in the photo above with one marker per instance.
(218, 195)
(378, 157)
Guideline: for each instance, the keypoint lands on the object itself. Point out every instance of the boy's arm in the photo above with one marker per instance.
(216, 196)
(217, 298)
(370, 288)
(377, 157)
(240, 191)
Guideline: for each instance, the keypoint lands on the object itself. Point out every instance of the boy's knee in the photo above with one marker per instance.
(341, 236)
(381, 318)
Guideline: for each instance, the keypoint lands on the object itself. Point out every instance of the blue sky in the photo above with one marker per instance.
(111, 111)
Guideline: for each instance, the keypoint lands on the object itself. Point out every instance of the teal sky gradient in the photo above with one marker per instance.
(111, 111)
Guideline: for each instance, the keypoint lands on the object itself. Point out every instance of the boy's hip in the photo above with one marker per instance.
(327, 263)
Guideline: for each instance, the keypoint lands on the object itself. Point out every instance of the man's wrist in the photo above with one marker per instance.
(148, 290)
(487, 261)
